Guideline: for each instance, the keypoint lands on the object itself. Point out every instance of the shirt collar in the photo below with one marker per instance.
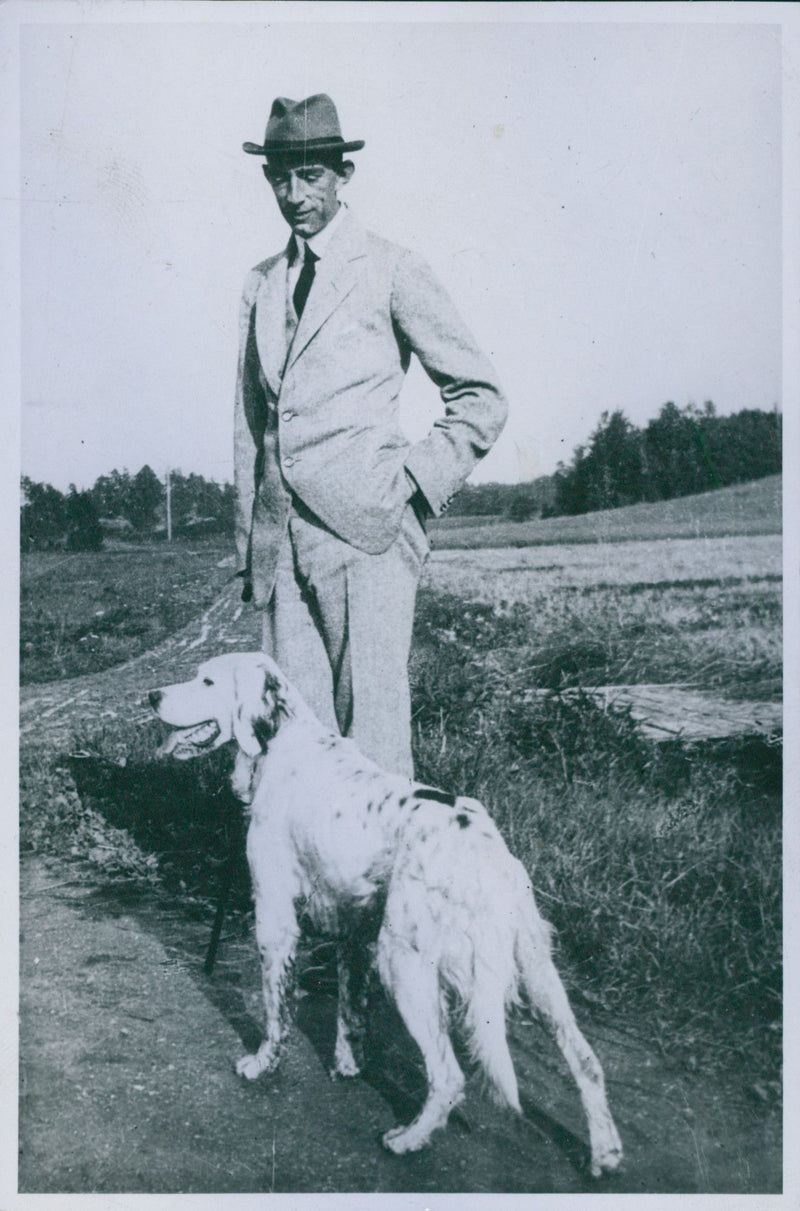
(319, 243)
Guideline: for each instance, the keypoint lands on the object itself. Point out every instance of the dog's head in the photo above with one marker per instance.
(242, 696)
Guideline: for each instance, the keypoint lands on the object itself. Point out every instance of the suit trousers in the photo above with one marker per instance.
(339, 625)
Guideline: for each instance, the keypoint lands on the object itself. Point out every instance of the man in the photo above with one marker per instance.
(331, 497)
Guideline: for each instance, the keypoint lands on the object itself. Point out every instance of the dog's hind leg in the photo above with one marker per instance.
(413, 983)
(276, 933)
(547, 994)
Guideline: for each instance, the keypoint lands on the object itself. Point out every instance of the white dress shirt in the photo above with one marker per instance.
(318, 244)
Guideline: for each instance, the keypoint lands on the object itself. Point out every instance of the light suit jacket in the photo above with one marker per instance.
(320, 418)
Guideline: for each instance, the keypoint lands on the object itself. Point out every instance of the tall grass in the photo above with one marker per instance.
(659, 866)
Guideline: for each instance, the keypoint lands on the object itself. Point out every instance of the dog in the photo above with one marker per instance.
(456, 920)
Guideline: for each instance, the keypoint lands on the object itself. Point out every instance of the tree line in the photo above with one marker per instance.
(681, 452)
(124, 505)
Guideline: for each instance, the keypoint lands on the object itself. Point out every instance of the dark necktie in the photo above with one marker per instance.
(304, 282)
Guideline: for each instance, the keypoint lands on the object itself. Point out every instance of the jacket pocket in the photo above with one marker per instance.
(413, 533)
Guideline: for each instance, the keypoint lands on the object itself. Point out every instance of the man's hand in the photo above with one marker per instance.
(247, 587)
(418, 500)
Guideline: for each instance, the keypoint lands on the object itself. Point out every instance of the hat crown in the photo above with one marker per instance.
(301, 126)
(293, 122)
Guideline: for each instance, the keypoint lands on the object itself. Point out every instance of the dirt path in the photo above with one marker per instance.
(127, 1048)
(127, 1080)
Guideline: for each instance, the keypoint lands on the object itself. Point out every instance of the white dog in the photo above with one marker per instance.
(455, 911)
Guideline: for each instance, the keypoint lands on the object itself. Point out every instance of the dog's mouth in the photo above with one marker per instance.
(187, 742)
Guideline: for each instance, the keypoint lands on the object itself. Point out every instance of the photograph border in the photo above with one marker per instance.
(16, 14)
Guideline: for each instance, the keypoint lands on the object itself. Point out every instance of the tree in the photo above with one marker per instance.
(744, 446)
(526, 500)
(677, 462)
(145, 497)
(571, 496)
(227, 508)
(614, 471)
(42, 515)
(83, 527)
(111, 494)
(200, 504)
(608, 473)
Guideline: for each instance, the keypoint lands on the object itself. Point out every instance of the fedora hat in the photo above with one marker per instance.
(302, 126)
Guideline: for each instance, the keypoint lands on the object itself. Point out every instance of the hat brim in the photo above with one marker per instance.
(292, 149)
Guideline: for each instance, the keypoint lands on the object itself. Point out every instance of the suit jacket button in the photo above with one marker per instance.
(288, 461)
(287, 416)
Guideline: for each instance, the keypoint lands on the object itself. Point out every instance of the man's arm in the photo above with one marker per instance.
(249, 406)
(475, 408)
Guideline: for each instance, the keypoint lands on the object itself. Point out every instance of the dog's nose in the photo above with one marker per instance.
(155, 697)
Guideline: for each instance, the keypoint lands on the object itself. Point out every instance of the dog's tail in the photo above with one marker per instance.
(485, 1022)
(517, 957)
(533, 959)
(504, 917)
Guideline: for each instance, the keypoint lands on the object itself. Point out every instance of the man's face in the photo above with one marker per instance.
(306, 195)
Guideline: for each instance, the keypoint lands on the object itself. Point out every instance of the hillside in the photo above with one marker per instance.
(752, 508)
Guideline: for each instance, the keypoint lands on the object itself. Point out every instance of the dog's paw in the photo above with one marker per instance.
(345, 1067)
(252, 1066)
(345, 1063)
(404, 1139)
(607, 1161)
(606, 1152)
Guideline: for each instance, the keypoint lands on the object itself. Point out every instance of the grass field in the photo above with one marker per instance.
(753, 508)
(86, 611)
(659, 865)
(702, 612)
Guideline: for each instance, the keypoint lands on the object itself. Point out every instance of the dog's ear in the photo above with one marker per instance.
(260, 708)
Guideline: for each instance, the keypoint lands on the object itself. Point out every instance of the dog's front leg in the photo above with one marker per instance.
(276, 933)
(354, 965)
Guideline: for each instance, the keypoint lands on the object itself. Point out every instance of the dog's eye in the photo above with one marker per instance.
(207, 681)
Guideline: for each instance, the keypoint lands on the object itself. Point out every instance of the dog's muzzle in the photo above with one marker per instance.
(187, 742)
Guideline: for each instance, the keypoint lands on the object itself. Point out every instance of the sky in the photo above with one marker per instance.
(602, 199)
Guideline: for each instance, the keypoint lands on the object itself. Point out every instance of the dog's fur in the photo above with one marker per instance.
(332, 832)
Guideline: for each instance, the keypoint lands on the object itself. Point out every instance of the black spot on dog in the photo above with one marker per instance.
(263, 730)
(463, 820)
(428, 792)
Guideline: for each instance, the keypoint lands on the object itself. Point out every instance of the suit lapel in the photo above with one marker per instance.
(271, 322)
(336, 275)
